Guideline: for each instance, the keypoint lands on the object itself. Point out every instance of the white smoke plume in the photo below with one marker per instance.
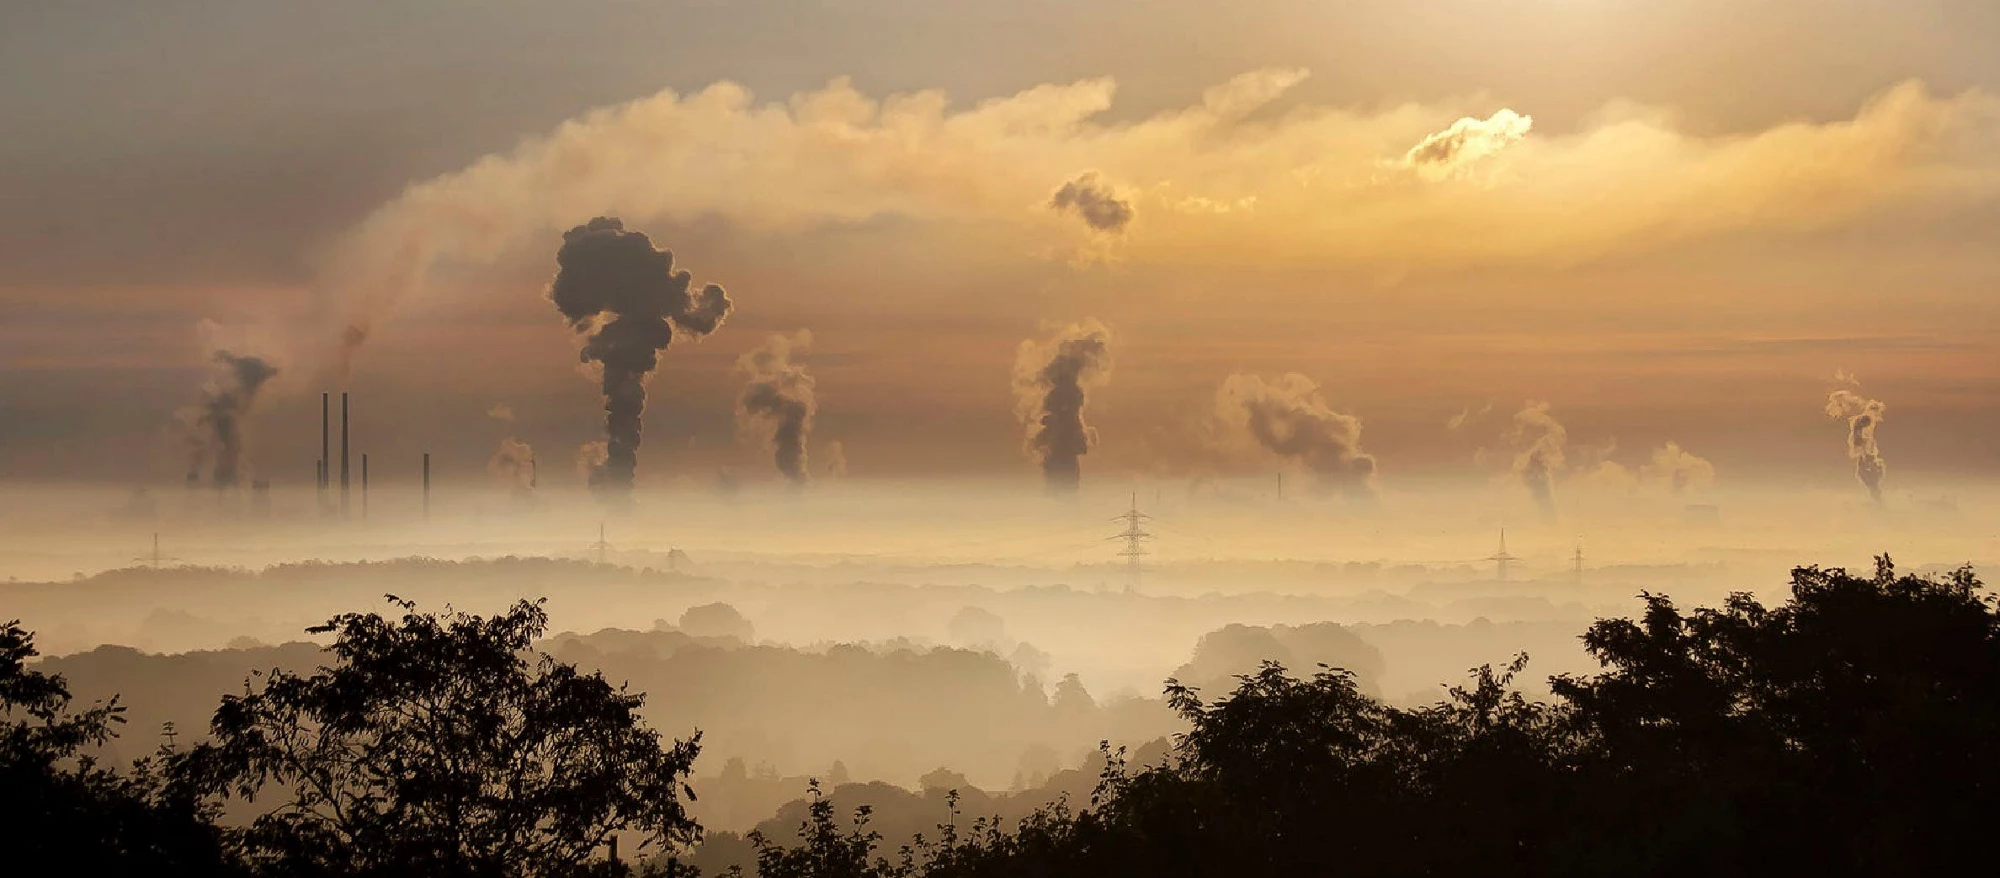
(1540, 445)
(1863, 416)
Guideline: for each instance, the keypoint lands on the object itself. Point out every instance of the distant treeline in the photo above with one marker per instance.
(1852, 730)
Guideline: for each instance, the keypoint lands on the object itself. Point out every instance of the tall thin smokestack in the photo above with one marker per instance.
(364, 484)
(325, 456)
(427, 484)
(343, 452)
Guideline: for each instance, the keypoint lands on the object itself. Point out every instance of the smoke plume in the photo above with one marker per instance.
(1093, 201)
(1863, 415)
(1539, 443)
(501, 412)
(590, 457)
(218, 419)
(1050, 377)
(624, 294)
(1288, 417)
(779, 397)
(514, 464)
(836, 460)
(1680, 469)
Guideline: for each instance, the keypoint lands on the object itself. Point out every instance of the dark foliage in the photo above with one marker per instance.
(59, 806)
(442, 745)
(1854, 730)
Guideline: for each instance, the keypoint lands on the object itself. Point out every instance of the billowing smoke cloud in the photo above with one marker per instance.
(218, 419)
(513, 463)
(1050, 379)
(1679, 469)
(501, 412)
(1863, 415)
(1452, 151)
(1540, 444)
(624, 293)
(1093, 201)
(1288, 417)
(779, 398)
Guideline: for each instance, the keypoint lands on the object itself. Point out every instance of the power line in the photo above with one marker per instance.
(1501, 558)
(155, 559)
(1135, 538)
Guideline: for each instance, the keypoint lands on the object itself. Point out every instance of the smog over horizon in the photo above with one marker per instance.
(999, 416)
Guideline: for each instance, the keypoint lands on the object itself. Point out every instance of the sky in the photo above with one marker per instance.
(1313, 233)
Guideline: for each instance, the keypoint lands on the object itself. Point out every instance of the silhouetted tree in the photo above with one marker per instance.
(63, 810)
(442, 745)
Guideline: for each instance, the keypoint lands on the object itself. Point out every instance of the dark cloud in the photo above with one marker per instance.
(1094, 202)
(779, 396)
(1050, 378)
(624, 294)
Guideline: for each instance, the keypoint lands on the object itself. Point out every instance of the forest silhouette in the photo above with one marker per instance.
(1853, 729)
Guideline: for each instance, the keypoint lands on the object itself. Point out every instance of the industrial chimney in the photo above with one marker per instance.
(427, 484)
(343, 454)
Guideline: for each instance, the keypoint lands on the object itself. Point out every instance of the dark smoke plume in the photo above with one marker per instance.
(779, 396)
(1540, 444)
(1093, 201)
(218, 420)
(1863, 415)
(624, 294)
(1287, 417)
(1050, 378)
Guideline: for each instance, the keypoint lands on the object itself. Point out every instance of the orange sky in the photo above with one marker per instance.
(1669, 221)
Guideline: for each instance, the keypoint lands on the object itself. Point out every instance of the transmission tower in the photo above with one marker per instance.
(1577, 571)
(601, 546)
(1501, 558)
(155, 559)
(1135, 538)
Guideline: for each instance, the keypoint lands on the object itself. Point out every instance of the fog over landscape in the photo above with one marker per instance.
(1161, 428)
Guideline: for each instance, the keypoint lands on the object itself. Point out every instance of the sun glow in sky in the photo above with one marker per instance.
(1670, 222)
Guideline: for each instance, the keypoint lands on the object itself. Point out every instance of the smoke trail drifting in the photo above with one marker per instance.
(1288, 417)
(218, 419)
(624, 293)
(1862, 414)
(514, 463)
(779, 396)
(1539, 447)
(1050, 378)
(1679, 468)
(836, 460)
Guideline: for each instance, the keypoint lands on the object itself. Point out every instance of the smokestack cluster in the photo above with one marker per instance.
(1050, 380)
(623, 293)
(779, 397)
(1863, 415)
(1539, 448)
(218, 419)
(1288, 418)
